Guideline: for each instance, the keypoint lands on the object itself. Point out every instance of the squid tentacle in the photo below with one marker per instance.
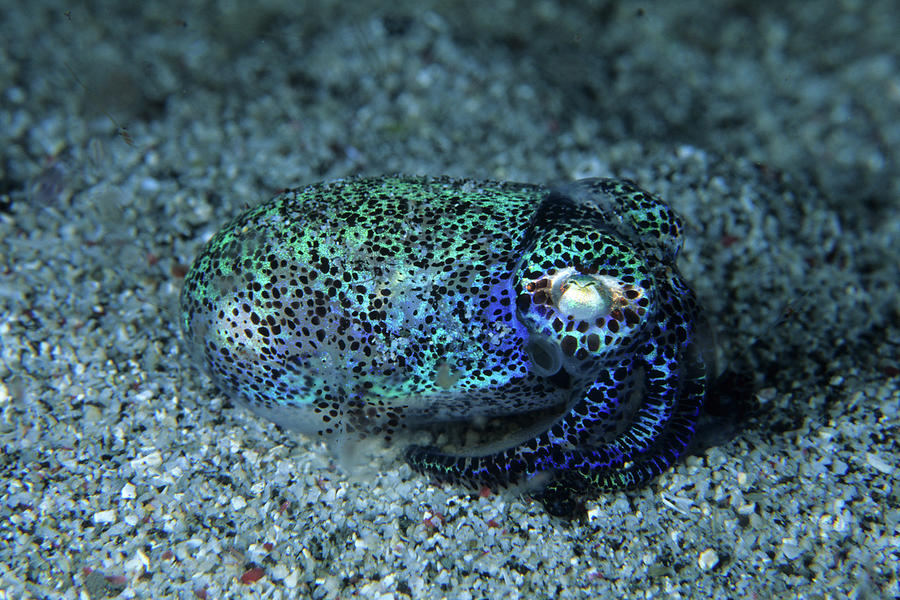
(655, 439)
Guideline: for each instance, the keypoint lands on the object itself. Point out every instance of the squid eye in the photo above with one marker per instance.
(582, 297)
(546, 359)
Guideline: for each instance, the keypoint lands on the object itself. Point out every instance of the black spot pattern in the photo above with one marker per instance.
(363, 306)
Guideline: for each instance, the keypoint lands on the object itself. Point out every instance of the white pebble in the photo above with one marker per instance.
(238, 502)
(141, 463)
(746, 509)
(279, 572)
(708, 559)
(292, 579)
(129, 492)
(790, 548)
(137, 563)
(105, 516)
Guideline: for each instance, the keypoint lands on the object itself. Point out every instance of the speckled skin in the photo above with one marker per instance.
(363, 306)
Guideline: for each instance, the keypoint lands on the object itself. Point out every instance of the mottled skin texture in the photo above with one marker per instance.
(365, 306)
